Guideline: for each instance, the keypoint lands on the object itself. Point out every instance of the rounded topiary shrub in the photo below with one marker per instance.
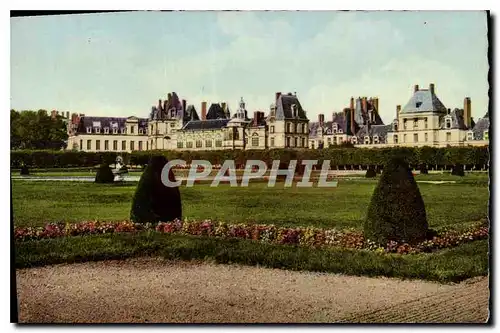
(154, 201)
(423, 169)
(458, 170)
(396, 211)
(104, 174)
(371, 172)
(24, 170)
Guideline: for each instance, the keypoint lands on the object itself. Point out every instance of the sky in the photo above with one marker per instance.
(120, 64)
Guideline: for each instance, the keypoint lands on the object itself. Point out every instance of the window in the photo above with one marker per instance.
(404, 124)
(180, 144)
(271, 129)
(140, 145)
(395, 139)
(288, 127)
(208, 143)
(172, 124)
(303, 142)
(415, 123)
(296, 128)
(272, 142)
(189, 144)
(81, 144)
(312, 144)
(375, 139)
(140, 131)
(448, 123)
(395, 125)
(448, 136)
(404, 138)
(288, 142)
(470, 136)
(106, 145)
(97, 130)
(132, 145)
(425, 123)
(124, 130)
(115, 130)
(426, 137)
(334, 140)
(218, 143)
(199, 143)
(340, 131)
(152, 129)
(418, 104)
(329, 141)
(485, 135)
(89, 129)
(305, 128)
(124, 145)
(296, 142)
(106, 130)
(255, 142)
(97, 144)
(367, 139)
(354, 140)
(115, 144)
(415, 137)
(328, 131)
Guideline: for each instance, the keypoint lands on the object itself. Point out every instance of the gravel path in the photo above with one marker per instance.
(154, 290)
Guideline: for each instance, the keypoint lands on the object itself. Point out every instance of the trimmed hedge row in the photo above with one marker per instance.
(340, 157)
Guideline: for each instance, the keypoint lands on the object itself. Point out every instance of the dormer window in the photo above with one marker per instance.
(418, 104)
(334, 127)
(395, 125)
(328, 131)
(340, 130)
(367, 139)
(140, 130)
(89, 129)
(470, 136)
(294, 110)
(124, 130)
(106, 130)
(97, 130)
(354, 140)
(448, 122)
(115, 130)
(375, 139)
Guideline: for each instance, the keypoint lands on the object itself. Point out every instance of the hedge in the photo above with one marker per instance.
(339, 157)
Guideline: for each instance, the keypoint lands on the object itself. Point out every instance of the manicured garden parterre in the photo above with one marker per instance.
(452, 206)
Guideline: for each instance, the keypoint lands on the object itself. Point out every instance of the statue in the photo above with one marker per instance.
(120, 169)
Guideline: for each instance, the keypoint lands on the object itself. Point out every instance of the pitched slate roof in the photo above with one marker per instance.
(338, 117)
(209, 124)
(110, 122)
(424, 100)
(457, 120)
(216, 112)
(284, 107)
(191, 114)
(483, 124)
(372, 130)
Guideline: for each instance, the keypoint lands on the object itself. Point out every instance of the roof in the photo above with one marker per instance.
(373, 130)
(110, 122)
(424, 100)
(216, 112)
(191, 114)
(208, 124)
(337, 117)
(457, 120)
(483, 124)
(284, 107)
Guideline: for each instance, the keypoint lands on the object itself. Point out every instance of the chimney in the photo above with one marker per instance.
(67, 114)
(431, 88)
(467, 112)
(375, 104)
(398, 110)
(415, 89)
(353, 128)
(224, 106)
(364, 105)
(321, 119)
(352, 103)
(53, 114)
(255, 118)
(203, 110)
(278, 94)
(159, 104)
(184, 105)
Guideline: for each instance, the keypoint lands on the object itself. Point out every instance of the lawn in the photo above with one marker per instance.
(36, 203)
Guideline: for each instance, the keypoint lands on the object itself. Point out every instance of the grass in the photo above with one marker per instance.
(451, 265)
(36, 203)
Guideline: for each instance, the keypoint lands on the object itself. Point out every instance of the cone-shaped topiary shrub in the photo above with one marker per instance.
(423, 169)
(371, 172)
(458, 170)
(153, 201)
(396, 211)
(24, 170)
(104, 174)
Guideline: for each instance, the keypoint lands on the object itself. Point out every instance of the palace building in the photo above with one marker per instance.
(174, 125)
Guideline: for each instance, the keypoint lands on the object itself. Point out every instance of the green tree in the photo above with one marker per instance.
(37, 130)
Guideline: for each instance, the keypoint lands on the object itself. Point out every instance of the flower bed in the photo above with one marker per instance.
(313, 237)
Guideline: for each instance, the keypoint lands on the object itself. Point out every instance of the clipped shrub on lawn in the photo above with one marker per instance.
(153, 201)
(371, 172)
(396, 211)
(423, 169)
(24, 170)
(458, 170)
(104, 174)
